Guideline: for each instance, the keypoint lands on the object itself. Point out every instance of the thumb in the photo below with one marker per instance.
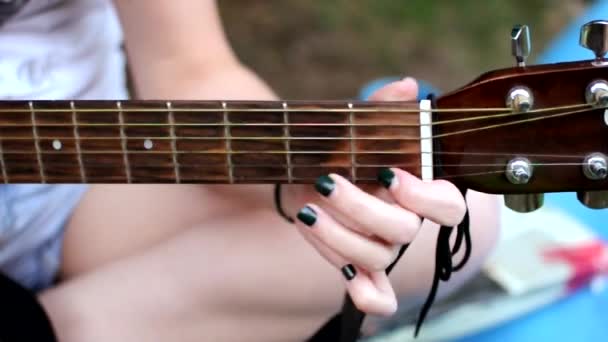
(403, 90)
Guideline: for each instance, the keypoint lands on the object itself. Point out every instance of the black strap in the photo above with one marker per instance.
(22, 318)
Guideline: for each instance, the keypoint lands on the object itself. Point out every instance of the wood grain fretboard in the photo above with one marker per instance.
(204, 141)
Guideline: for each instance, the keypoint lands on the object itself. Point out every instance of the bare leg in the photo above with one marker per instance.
(151, 274)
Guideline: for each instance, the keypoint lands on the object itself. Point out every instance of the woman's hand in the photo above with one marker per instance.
(360, 231)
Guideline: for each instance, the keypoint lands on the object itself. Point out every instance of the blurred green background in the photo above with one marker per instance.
(319, 49)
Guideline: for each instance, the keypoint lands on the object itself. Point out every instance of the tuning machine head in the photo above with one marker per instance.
(520, 44)
(594, 36)
(524, 203)
(594, 199)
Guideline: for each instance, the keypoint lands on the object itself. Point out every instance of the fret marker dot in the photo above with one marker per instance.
(57, 145)
(148, 144)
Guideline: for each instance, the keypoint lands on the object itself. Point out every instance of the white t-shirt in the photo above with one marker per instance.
(59, 49)
(52, 49)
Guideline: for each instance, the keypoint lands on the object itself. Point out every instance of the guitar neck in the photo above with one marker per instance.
(205, 141)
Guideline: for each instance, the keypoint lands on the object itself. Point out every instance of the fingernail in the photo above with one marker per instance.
(307, 215)
(325, 185)
(386, 177)
(349, 272)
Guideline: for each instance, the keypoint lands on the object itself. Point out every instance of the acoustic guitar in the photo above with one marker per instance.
(521, 132)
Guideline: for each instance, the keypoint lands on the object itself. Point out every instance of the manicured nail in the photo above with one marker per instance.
(325, 185)
(386, 177)
(308, 216)
(349, 272)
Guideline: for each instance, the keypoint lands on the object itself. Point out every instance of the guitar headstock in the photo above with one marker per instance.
(528, 130)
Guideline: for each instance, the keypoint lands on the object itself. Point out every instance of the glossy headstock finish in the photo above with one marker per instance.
(555, 142)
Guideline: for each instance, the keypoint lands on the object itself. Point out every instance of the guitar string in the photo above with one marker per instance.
(279, 109)
(282, 138)
(264, 125)
(249, 179)
(293, 166)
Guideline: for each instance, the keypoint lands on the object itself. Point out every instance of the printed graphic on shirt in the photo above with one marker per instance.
(9, 8)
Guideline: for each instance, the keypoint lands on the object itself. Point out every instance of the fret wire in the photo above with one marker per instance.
(227, 135)
(123, 142)
(37, 142)
(2, 163)
(174, 142)
(353, 159)
(83, 175)
(287, 135)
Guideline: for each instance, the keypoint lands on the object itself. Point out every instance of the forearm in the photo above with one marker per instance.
(195, 81)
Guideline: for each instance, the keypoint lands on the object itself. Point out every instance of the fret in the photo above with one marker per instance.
(319, 124)
(248, 141)
(173, 142)
(391, 127)
(83, 174)
(353, 149)
(123, 142)
(228, 143)
(94, 122)
(194, 167)
(37, 142)
(149, 141)
(287, 136)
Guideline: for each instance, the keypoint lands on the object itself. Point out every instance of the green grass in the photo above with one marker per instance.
(328, 49)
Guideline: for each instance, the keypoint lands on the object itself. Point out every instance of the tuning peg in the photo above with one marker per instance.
(524, 203)
(520, 44)
(594, 36)
(594, 199)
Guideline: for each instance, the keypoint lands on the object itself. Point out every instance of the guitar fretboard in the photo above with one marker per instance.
(204, 141)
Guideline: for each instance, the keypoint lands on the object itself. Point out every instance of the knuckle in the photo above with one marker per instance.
(382, 261)
(407, 231)
(352, 206)
(404, 236)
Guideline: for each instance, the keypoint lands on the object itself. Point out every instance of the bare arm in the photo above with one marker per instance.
(178, 49)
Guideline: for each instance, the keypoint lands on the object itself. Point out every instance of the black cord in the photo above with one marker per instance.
(278, 205)
(443, 261)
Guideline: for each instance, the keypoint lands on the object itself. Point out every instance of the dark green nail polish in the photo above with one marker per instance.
(385, 177)
(307, 216)
(349, 272)
(325, 185)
